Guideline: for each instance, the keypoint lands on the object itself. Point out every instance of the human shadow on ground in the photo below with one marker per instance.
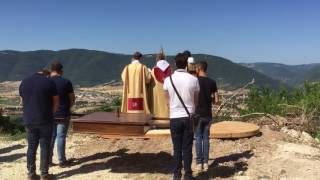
(97, 156)
(11, 148)
(124, 162)
(227, 166)
(11, 158)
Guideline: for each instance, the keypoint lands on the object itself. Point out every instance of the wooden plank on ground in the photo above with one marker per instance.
(233, 129)
(226, 129)
(158, 133)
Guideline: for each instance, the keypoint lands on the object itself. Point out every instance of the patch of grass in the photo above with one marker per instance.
(318, 135)
(13, 137)
(11, 128)
(116, 101)
(302, 102)
(108, 107)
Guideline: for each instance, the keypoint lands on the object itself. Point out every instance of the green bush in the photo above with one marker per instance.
(104, 108)
(11, 125)
(108, 107)
(116, 101)
(300, 101)
(310, 99)
(265, 101)
(318, 135)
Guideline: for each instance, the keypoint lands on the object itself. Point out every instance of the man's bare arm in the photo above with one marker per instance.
(216, 98)
(55, 100)
(72, 99)
(166, 93)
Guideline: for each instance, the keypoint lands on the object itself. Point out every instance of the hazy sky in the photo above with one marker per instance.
(284, 31)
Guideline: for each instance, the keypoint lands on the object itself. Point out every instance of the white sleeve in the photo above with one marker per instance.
(165, 84)
(197, 86)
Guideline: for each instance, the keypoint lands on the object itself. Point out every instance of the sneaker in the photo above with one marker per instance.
(205, 166)
(52, 164)
(199, 168)
(32, 176)
(188, 177)
(66, 164)
(46, 177)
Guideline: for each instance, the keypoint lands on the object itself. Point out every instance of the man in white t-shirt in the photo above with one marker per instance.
(182, 138)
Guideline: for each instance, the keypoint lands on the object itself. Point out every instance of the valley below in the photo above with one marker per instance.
(278, 152)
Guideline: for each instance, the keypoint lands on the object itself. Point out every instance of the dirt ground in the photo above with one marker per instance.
(270, 155)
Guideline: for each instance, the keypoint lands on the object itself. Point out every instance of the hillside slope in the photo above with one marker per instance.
(313, 74)
(89, 67)
(290, 74)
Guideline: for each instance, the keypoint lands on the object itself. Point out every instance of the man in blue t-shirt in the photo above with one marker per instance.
(208, 95)
(62, 116)
(39, 99)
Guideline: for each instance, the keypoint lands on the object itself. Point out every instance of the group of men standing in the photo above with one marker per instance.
(174, 96)
(46, 98)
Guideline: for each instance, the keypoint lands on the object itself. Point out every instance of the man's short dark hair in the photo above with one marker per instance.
(56, 66)
(45, 72)
(203, 65)
(181, 62)
(137, 55)
(187, 53)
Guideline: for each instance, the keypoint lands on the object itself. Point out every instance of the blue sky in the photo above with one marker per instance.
(284, 31)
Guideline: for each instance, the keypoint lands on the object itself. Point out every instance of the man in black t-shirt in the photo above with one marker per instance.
(207, 96)
(40, 100)
(62, 116)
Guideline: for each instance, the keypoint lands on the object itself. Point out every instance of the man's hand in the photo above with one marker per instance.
(21, 101)
(218, 103)
(215, 99)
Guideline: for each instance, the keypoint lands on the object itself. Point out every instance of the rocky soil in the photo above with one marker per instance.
(281, 154)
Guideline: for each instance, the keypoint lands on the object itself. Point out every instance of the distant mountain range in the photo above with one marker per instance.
(89, 67)
(289, 74)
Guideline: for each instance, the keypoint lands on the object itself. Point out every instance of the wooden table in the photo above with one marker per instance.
(108, 123)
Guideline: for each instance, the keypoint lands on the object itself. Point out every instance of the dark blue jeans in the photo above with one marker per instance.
(38, 134)
(59, 134)
(202, 135)
(182, 139)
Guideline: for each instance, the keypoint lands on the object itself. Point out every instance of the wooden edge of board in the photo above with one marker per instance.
(234, 135)
(109, 122)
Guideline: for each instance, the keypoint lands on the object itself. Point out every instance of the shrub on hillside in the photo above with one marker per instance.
(11, 125)
(108, 107)
(265, 101)
(303, 100)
